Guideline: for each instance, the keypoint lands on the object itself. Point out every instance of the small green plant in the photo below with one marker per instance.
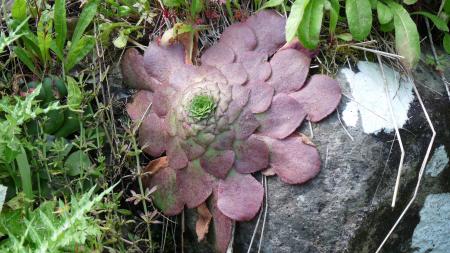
(54, 226)
(36, 48)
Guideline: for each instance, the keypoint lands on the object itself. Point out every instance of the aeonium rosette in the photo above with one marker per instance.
(233, 115)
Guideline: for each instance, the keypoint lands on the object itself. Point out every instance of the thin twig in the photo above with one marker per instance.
(397, 132)
(265, 213)
(422, 168)
(230, 245)
(342, 124)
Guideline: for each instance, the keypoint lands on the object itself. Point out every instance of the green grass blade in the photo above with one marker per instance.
(78, 51)
(60, 23)
(25, 173)
(295, 18)
(85, 19)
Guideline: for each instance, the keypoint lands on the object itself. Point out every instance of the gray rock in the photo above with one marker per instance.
(347, 207)
(432, 234)
(438, 162)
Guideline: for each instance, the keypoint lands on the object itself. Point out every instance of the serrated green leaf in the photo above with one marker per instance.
(334, 15)
(44, 39)
(437, 21)
(86, 16)
(409, 2)
(446, 43)
(359, 16)
(309, 29)
(78, 51)
(407, 40)
(60, 23)
(384, 13)
(295, 18)
(272, 3)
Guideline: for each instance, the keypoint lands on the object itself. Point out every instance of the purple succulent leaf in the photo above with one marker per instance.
(235, 73)
(183, 76)
(176, 154)
(160, 62)
(245, 125)
(260, 96)
(283, 117)
(256, 65)
(224, 140)
(161, 100)
(240, 196)
(239, 37)
(217, 162)
(241, 95)
(217, 55)
(223, 226)
(167, 196)
(252, 155)
(141, 101)
(192, 149)
(319, 97)
(292, 160)
(134, 73)
(269, 27)
(153, 135)
(289, 70)
(195, 184)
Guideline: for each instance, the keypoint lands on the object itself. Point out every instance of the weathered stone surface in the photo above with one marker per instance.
(433, 232)
(347, 207)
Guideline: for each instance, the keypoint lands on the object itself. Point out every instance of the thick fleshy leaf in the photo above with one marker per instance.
(160, 61)
(192, 149)
(319, 97)
(183, 76)
(245, 125)
(256, 65)
(241, 96)
(260, 96)
(235, 73)
(252, 155)
(134, 73)
(217, 55)
(153, 135)
(166, 197)
(268, 26)
(240, 196)
(283, 117)
(141, 101)
(292, 160)
(223, 226)
(176, 155)
(161, 100)
(217, 162)
(239, 37)
(289, 70)
(224, 141)
(195, 184)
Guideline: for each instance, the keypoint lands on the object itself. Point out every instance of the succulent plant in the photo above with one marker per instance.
(233, 115)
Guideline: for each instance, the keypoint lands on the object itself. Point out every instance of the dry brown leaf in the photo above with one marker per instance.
(157, 164)
(203, 220)
(306, 140)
